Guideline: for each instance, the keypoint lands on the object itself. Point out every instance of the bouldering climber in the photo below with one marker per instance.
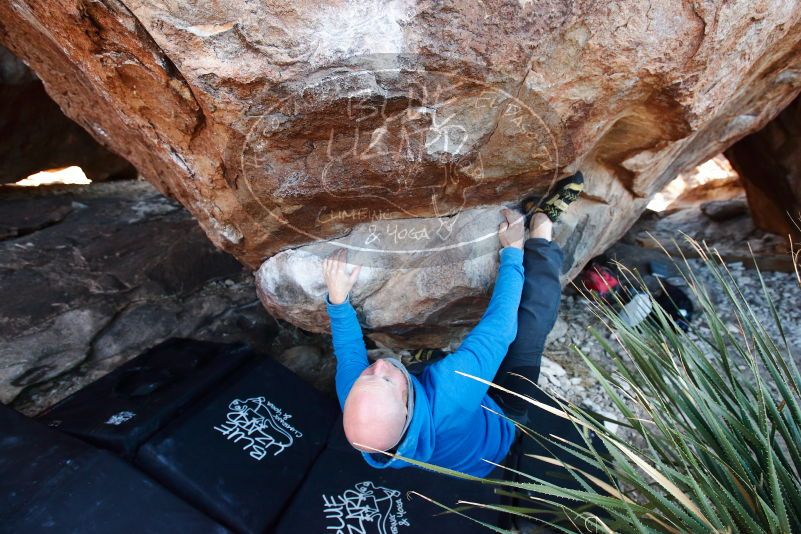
(439, 416)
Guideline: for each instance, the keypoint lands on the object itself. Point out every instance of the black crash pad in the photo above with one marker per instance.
(548, 424)
(344, 494)
(124, 408)
(51, 482)
(245, 448)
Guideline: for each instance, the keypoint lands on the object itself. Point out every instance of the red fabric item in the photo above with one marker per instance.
(599, 279)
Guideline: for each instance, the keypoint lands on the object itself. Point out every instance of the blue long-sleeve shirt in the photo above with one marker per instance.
(448, 426)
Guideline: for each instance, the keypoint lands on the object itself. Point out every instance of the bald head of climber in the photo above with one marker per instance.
(374, 414)
(375, 411)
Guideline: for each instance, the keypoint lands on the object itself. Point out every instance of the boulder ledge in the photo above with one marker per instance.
(283, 126)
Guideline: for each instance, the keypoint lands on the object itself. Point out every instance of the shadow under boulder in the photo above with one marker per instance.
(38, 136)
(92, 276)
(769, 162)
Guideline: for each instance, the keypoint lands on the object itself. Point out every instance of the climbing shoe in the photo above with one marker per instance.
(423, 356)
(565, 192)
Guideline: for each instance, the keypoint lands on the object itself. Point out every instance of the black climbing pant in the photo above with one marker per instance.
(539, 305)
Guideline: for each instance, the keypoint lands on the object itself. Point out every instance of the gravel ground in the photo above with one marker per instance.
(565, 374)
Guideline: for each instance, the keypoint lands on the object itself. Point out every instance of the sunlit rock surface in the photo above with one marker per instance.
(279, 125)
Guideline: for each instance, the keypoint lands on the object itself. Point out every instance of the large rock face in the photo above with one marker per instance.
(769, 161)
(280, 125)
(92, 276)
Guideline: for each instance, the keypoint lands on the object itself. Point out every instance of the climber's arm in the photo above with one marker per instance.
(483, 350)
(349, 346)
(346, 333)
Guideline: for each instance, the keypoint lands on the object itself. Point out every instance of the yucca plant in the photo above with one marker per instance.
(705, 446)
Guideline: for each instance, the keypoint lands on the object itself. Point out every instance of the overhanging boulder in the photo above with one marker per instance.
(283, 125)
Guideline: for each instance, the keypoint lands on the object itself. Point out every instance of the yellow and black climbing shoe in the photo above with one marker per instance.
(564, 193)
(423, 356)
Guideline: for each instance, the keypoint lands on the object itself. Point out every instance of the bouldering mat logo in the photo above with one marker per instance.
(365, 508)
(120, 417)
(394, 157)
(259, 426)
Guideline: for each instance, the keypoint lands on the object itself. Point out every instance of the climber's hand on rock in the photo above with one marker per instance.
(512, 230)
(336, 276)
